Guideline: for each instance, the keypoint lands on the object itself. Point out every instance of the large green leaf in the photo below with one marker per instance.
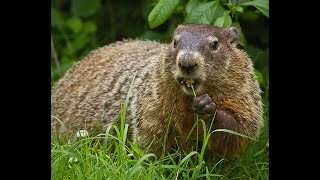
(191, 4)
(224, 21)
(84, 8)
(204, 13)
(262, 5)
(161, 12)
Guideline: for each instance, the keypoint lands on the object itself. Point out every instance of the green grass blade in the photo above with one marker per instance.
(187, 157)
(232, 132)
(61, 123)
(137, 166)
(167, 132)
(124, 110)
(128, 94)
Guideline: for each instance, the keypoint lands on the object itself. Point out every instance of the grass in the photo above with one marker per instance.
(111, 155)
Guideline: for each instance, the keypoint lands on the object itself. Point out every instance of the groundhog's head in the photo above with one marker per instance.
(202, 53)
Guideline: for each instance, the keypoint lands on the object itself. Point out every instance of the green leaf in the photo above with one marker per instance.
(262, 5)
(239, 9)
(84, 8)
(56, 18)
(259, 76)
(224, 21)
(161, 12)
(191, 4)
(204, 13)
(75, 24)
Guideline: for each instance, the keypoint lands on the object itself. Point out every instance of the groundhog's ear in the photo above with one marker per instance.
(180, 26)
(178, 29)
(233, 36)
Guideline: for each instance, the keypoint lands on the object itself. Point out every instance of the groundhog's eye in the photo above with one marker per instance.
(214, 45)
(174, 43)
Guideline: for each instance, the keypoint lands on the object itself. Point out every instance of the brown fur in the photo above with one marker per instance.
(93, 89)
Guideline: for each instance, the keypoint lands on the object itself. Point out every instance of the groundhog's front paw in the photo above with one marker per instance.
(203, 105)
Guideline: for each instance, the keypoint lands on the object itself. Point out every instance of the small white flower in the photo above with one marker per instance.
(129, 155)
(82, 133)
(73, 160)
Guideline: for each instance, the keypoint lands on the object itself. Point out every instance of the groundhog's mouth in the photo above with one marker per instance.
(187, 84)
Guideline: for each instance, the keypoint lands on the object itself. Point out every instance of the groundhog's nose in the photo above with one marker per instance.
(187, 67)
(187, 62)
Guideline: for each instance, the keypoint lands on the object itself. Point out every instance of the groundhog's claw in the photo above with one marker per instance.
(203, 105)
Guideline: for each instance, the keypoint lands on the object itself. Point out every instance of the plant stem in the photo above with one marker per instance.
(194, 94)
(197, 117)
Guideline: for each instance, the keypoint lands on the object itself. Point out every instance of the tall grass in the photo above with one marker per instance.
(111, 155)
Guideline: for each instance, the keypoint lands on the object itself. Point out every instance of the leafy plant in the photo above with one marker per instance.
(217, 13)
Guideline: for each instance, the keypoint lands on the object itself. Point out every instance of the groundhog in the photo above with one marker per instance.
(203, 57)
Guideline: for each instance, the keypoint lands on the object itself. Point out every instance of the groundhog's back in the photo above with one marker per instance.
(92, 89)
